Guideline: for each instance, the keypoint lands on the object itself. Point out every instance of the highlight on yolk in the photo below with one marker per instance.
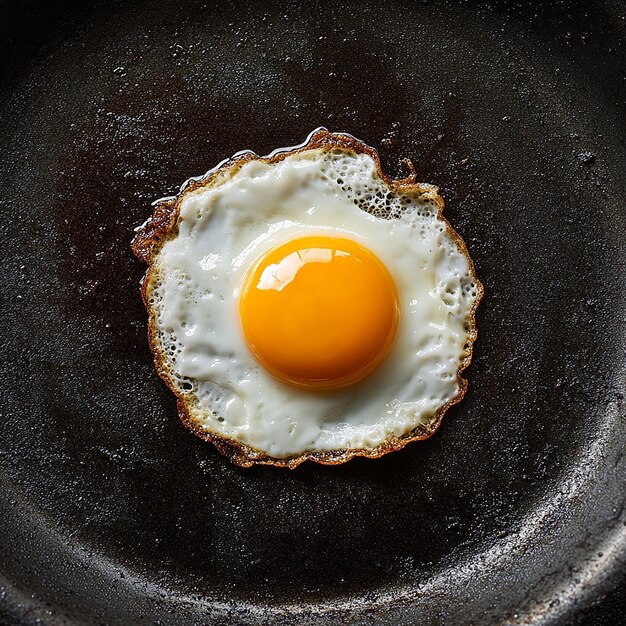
(319, 312)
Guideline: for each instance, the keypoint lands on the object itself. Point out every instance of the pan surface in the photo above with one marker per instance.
(111, 512)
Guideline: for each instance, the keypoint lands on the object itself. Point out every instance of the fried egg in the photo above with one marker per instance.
(305, 306)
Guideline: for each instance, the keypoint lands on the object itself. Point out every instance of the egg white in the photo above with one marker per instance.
(224, 227)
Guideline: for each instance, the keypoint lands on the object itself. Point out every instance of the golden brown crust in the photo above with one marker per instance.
(162, 225)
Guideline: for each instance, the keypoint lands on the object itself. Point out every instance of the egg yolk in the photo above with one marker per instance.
(319, 312)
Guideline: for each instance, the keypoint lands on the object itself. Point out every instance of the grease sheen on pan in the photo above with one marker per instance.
(202, 247)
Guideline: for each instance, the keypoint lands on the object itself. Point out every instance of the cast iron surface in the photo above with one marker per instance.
(111, 512)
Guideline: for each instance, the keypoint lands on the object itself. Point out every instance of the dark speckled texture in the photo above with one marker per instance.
(111, 512)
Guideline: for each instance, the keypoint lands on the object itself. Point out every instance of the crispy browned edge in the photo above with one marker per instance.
(151, 236)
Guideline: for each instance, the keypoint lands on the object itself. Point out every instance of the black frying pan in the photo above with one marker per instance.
(111, 512)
